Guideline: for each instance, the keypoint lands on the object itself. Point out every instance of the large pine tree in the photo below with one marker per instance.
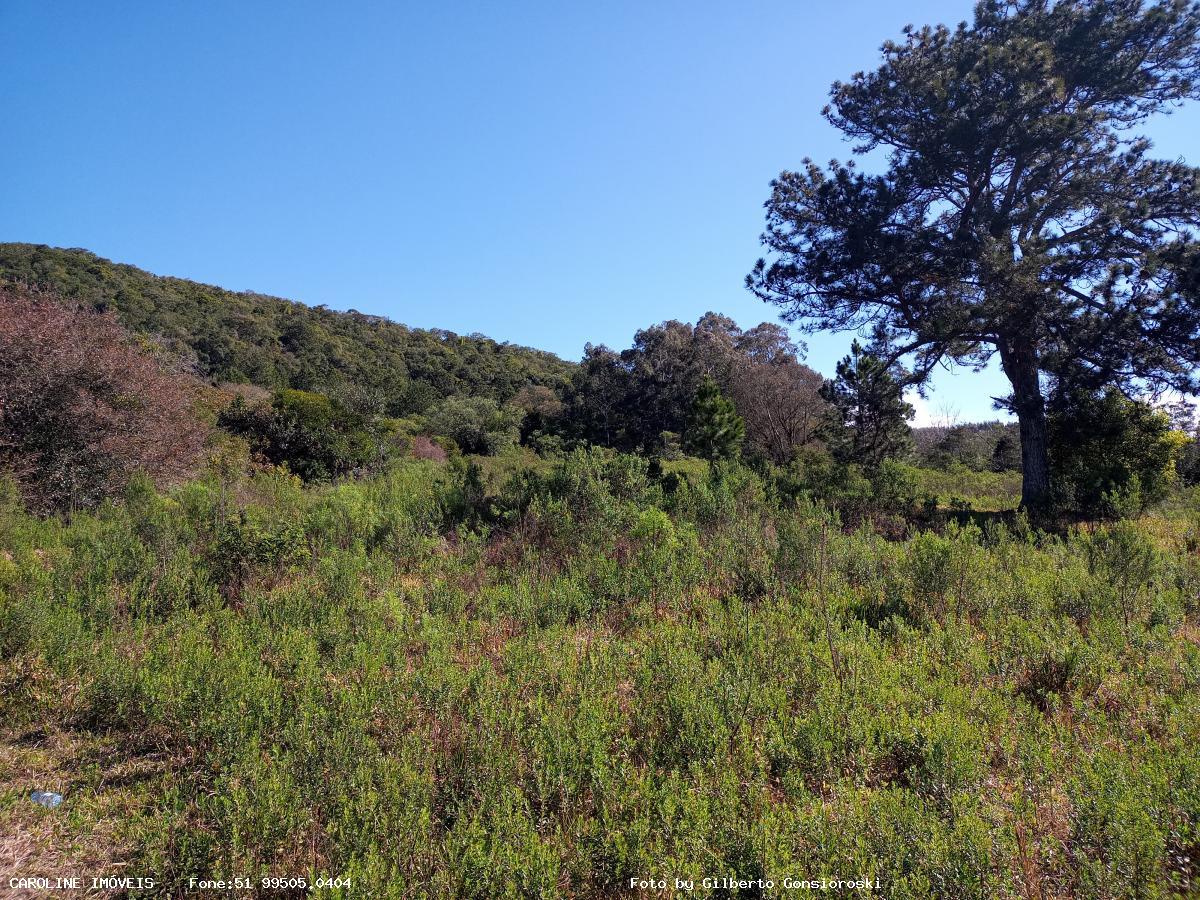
(1019, 214)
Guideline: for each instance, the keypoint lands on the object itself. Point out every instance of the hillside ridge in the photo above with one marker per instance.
(275, 342)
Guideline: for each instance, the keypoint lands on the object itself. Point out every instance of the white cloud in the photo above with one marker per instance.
(923, 417)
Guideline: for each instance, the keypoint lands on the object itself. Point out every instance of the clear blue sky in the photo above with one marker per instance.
(545, 173)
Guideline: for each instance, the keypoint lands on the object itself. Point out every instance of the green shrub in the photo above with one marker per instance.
(313, 435)
(1110, 457)
(1123, 562)
(253, 542)
(476, 424)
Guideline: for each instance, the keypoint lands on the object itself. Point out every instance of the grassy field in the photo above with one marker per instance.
(588, 675)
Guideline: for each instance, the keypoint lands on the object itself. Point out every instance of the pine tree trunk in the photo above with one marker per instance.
(1020, 362)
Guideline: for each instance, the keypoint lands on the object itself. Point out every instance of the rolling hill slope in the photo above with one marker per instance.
(250, 337)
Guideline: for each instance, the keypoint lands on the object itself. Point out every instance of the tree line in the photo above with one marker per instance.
(377, 366)
(85, 404)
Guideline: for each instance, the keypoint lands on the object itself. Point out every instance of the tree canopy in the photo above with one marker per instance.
(83, 407)
(1019, 213)
(632, 398)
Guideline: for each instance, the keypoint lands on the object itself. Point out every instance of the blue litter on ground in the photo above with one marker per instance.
(46, 798)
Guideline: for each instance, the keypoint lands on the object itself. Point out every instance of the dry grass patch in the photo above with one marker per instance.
(107, 793)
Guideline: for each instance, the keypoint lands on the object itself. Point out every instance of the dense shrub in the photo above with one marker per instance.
(1110, 456)
(600, 678)
(476, 424)
(83, 407)
(1124, 562)
(315, 436)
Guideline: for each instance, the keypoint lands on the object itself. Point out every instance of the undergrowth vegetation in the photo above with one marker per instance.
(549, 681)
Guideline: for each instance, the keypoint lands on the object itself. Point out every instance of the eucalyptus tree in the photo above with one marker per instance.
(1018, 210)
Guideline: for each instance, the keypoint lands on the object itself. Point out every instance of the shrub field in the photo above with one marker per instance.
(423, 684)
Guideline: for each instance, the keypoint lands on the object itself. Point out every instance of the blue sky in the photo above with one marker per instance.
(545, 173)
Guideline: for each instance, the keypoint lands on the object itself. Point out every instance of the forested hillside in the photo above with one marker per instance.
(276, 343)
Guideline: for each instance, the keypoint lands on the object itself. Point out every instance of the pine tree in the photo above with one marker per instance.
(715, 430)
(1019, 212)
(870, 413)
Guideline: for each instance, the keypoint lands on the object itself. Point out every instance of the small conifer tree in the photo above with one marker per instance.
(870, 419)
(715, 430)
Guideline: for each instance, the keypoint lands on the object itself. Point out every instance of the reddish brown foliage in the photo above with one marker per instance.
(424, 448)
(780, 401)
(82, 408)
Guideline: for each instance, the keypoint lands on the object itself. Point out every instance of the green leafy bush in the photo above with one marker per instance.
(476, 424)
(313, 435)
(1110, 456)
